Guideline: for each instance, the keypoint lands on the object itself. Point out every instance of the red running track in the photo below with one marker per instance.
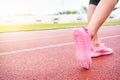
(50, 55)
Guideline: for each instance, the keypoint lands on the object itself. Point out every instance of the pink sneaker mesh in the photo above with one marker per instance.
(83, 47)
(101, 50)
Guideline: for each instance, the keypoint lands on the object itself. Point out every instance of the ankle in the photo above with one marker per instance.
(96, 44)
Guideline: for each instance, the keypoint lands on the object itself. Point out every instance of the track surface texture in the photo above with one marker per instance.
(50, 55)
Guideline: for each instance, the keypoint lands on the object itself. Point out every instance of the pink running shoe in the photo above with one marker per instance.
(83, 47)
(101, 50)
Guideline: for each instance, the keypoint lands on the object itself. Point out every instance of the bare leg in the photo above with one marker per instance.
(101, 12)
(91, 10)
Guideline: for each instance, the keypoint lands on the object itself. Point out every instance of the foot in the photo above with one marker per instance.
(101, 50)
(83, 47)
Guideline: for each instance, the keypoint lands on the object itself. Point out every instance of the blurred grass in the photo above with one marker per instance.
(112, 23)
(6, 28)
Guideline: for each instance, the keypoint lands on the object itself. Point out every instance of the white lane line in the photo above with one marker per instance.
(50, 37)
(107, 37)
(33, 38)
(38, 48)
(40, 37)
(50, 46)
